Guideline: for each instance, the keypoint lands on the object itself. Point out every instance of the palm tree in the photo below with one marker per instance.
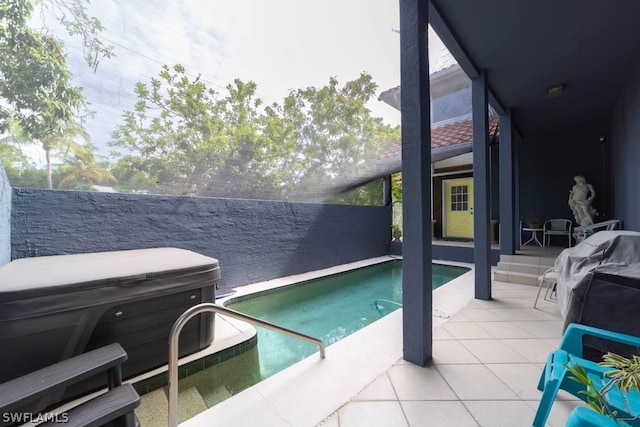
(81, 168)
(64, 141)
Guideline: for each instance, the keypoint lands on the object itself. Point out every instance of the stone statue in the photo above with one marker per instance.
(580, 198)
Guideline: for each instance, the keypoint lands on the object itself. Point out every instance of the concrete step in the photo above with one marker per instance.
(190, 403)
(154, 406)
(516, 277)
(153, 409)
(525, 259)
(522, 267)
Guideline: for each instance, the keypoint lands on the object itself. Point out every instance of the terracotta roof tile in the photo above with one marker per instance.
(446, 135)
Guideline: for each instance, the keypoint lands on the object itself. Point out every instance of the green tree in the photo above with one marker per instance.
(396, 186)
(20, 171)
(65, 140)
(183, 137)
(367, 194)
(79, 175)
(192, 141)
(35, 83)
(81, 170)
(36, 91)
(75, 18)
(338, 138)
(136, 174)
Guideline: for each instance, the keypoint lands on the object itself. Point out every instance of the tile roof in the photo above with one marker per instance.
(387, 93)
(446, 135)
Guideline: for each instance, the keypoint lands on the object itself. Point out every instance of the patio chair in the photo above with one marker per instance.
(556, 227)
(548, 279)
(555, 374)
(588, 230)
(520, 234)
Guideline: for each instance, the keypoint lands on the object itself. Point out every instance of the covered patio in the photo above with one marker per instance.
(564, 80)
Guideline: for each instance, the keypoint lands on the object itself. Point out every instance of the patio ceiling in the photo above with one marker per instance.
(528, 47)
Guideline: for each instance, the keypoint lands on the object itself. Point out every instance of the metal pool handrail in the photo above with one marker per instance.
(201, 308)
(377, 302)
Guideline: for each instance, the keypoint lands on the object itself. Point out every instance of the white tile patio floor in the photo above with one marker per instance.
(487, 360)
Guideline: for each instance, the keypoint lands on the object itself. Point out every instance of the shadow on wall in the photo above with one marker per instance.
(253, 240)
(342, 233)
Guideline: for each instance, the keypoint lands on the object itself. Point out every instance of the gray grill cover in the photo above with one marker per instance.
(599, 284)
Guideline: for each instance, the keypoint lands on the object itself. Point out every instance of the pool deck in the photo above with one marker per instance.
(487, 358)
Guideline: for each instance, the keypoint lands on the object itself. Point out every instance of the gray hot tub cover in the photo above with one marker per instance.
(614, 252)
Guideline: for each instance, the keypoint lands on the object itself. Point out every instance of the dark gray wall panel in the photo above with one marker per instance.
(547, 166)
(253, 240)
(625, 159)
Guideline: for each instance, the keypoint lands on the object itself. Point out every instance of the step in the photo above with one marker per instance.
(525, 259)
(190, 404)
(516, 277)
(153, 409)
(43, 382)
(155, 406)
(113, 404)
(522, 268)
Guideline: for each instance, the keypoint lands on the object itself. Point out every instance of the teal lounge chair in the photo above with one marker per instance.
(555, 375)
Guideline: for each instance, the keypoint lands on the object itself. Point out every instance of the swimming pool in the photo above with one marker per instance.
(329, 308)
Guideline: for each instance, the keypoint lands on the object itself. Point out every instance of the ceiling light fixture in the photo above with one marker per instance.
(555, 91)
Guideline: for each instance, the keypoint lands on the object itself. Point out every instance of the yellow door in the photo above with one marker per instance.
(458, 208)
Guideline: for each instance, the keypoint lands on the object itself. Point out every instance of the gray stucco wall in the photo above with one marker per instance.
(253, 240)
(5, 218)
(625, 158)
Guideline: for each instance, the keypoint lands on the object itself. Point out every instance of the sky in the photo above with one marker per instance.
(281, 45)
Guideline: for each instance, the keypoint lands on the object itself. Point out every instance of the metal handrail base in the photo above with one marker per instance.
(376, 304)
(211, 307)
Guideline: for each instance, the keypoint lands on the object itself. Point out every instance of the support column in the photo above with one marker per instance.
(386, 191)
(516, 194)
(416, 182)
(481, 187)
(507, 197)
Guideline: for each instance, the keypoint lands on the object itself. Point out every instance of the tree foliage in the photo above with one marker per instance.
(75, 18)
(20, 171)
(38, 101)
(35, 83)
(183, 137)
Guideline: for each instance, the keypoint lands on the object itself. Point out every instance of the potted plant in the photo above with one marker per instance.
(396, 233)
(623, 376)
(534, 221)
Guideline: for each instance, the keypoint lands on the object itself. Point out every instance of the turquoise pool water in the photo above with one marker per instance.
(329, 308)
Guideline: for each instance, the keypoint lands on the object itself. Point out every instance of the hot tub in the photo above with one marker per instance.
(55, 307)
